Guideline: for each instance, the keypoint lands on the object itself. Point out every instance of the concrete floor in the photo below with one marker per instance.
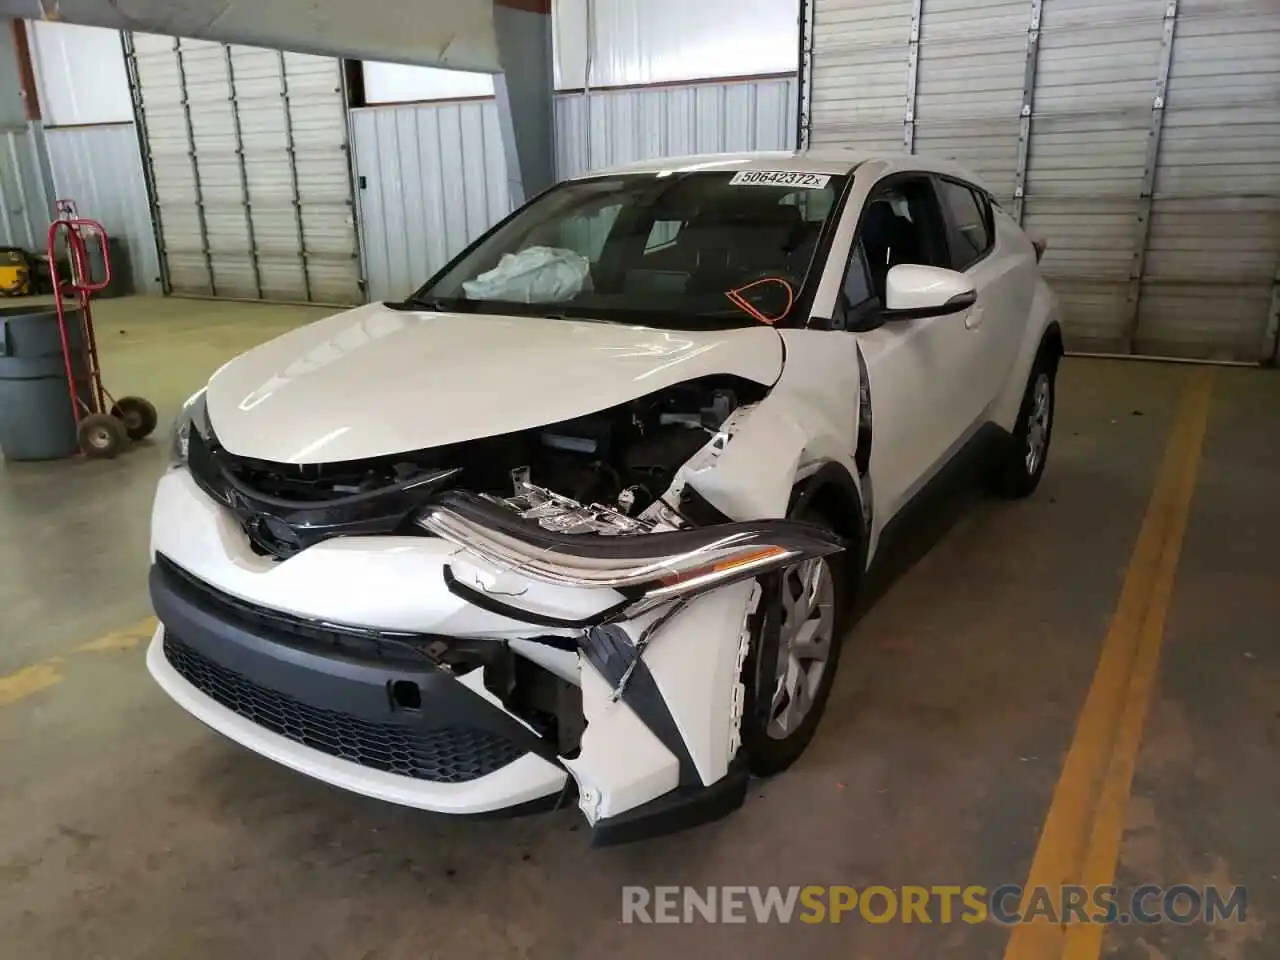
(127, 829)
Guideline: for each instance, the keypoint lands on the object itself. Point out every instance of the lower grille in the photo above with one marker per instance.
(446, 755)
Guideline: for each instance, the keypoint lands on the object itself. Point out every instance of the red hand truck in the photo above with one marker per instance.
(101, 431)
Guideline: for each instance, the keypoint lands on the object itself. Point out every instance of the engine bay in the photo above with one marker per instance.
(623, 458)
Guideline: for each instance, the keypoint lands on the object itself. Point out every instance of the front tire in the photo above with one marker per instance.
(787, 688)
(1018, 471)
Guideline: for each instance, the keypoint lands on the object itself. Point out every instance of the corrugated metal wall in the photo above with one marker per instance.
(433, 176)
(24, 192)
(24, 181)
(1141, 138)
(100, 168)
(636, 124)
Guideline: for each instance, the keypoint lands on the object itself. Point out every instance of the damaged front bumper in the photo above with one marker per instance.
(651, 630)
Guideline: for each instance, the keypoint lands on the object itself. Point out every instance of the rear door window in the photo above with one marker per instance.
(969, 223)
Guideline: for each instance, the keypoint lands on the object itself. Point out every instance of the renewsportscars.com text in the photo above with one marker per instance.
(1009, 904)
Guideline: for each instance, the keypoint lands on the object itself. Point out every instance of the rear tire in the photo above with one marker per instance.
(804, 600)
(1017, 472)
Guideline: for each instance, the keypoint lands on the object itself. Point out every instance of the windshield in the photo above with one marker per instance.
(675, 250)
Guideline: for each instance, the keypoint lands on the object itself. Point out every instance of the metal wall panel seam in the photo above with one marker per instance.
(353, 192)
(238, 133)
(8, 229)
(144, 151)
(7, 232)
(293, 174)
(15, 159)
(1142, 225)
(804, 72)
(913, 74)
(1028, 105)
(195, 166)
(42, 168)
(1271, 336)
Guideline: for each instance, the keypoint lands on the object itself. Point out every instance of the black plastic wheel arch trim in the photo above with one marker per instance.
(490, 604)
(680, 809)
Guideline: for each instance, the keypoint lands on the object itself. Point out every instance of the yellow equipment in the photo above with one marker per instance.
(15, 272)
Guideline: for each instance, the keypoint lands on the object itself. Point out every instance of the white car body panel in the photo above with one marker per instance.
(377, 381)
(382, 582)
(621, 763)
(367, 382)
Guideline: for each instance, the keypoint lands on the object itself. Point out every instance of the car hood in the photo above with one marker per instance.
(374, 381)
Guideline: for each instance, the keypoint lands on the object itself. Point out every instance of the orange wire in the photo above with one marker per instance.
(736, 298)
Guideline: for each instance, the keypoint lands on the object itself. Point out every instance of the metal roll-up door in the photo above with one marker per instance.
(246, 152)
(1090, 126)
(969, 86)
(854, 84)
(1210, 281)
(1141, 139)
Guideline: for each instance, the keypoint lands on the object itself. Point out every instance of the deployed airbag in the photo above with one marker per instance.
(534, 275)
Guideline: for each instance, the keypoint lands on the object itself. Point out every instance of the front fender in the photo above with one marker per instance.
(751, 471)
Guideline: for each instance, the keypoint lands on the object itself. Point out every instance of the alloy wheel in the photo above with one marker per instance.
(807, 633)
(1038, 422)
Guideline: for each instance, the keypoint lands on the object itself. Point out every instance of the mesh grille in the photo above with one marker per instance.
(446, 755)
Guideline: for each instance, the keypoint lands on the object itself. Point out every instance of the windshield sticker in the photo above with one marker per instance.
(779, 178)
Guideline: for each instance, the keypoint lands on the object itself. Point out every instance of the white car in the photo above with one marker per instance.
(579, 520)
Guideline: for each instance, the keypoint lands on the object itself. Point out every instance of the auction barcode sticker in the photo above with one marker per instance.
(779, 178)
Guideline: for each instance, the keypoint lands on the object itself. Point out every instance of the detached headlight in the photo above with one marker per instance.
(193, 415)
(648, 567)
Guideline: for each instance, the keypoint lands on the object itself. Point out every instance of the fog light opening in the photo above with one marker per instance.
(406, 695)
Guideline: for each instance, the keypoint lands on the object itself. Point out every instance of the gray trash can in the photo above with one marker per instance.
(36, 419)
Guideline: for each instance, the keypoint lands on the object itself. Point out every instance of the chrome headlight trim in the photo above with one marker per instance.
(649, 566)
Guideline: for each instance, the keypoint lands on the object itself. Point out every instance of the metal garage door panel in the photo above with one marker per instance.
(858, 74)
(168, 154)
(1214, 241)
(213, 134)
(319, 125)
(249, 172)
(264, 132)
(1150, 160)
(1095, 73)
(969, 85)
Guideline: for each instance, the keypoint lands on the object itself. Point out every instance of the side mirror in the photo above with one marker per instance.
(913, 292)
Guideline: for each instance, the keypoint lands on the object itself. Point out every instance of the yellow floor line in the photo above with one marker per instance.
(125, 639)
(1080, 841)
(40, 676)
(33, 679)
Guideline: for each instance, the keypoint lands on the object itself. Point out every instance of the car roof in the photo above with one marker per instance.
(835, 160)
(829, 160)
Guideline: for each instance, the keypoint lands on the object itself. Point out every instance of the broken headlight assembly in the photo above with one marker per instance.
(194, 415)
(647, 567)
